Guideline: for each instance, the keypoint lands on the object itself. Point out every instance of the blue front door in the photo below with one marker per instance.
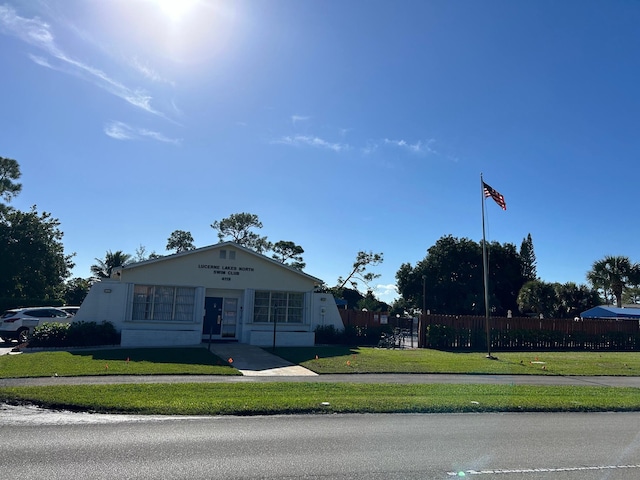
(212, 316)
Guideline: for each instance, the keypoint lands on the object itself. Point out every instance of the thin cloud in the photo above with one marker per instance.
(37, 33)
(158, 136)
(119, 131)
(299, 118)
(123, 131)
(311, 141)
(150, 73)
(43, 62)
(418, 147)
(370, 148)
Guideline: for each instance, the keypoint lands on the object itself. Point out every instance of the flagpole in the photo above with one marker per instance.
(485, 268)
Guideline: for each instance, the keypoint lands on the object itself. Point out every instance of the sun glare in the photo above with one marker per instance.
(174, 10)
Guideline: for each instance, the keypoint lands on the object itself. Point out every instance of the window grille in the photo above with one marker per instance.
(161, 303)
(284, 307)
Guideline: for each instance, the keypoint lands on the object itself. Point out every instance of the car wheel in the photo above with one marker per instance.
(23, 335)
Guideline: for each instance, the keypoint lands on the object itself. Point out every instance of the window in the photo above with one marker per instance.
(160, 303)
(284, 307)
(223, 254)
(232, 254)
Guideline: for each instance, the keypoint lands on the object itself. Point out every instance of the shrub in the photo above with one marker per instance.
(74, 334)
(351, 335)
(328, 335)
(49, 335)
(84, 334)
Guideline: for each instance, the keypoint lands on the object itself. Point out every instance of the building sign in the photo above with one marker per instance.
(227, 271)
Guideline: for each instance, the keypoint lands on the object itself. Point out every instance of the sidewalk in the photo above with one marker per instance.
(253, 361)
(388, 378)
(258, 365)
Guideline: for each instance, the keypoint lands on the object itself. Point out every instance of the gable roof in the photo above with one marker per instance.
(611, 312)
(216, 247)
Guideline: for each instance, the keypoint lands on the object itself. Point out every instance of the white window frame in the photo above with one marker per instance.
(286, 307)
(154, 306)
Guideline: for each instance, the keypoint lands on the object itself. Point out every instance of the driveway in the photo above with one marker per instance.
(6, 347)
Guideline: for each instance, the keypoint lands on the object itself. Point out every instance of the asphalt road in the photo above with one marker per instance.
(39, 444)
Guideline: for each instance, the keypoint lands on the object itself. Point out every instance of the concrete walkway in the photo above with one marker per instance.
(251, 361)
(255, 362)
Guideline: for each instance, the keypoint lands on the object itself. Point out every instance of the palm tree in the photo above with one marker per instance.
(103, 268)
(613, 274)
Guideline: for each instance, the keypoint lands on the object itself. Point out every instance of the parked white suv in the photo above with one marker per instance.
(18, 323)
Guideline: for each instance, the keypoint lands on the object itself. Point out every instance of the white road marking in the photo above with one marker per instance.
(464, 473)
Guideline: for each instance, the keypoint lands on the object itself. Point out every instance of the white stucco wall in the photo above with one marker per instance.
(111, 299)
(106, 302)
(205, 268)
(325, 312)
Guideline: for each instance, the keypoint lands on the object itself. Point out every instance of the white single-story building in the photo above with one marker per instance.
(215, 293)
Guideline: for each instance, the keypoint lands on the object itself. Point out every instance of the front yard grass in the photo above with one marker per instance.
(331, 359)
(134, 361)
(310, 397)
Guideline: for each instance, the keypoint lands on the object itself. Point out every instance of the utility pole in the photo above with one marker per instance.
(421, 339)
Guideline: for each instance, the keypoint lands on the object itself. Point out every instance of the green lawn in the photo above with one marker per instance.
(306, 397)
(199, 361)
(288, 398)
(139, 361)
(325, 360)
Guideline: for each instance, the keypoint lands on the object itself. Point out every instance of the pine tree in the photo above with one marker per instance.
(528, 257)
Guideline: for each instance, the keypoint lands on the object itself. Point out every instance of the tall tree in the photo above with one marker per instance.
(9, 173)
(528, 258)
(180, 241)
(631, 295)
(76, 290)
(613, 274)
(453, 278)
(286, 251)
(372, 304)
(572, 299)
(538, 297)
(104, 268)
(32, 258)
(141, 254)
(238, 228)
(364, 260)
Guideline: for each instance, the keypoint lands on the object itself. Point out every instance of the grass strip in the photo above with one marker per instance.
(289, 398)
(323, 360)
(134, 361)
(331, 359)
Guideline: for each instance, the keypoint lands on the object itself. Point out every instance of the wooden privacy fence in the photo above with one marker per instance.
(356, 318)
(462, 332)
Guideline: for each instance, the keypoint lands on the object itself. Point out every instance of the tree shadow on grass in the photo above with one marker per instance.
(186, 356)
(304, 354)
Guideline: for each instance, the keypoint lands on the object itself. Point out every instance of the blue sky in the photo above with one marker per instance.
(344, 125)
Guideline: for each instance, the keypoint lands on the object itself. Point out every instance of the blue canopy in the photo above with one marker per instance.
(611, 312)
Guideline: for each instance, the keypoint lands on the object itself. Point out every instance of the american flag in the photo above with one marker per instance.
(490, 192)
